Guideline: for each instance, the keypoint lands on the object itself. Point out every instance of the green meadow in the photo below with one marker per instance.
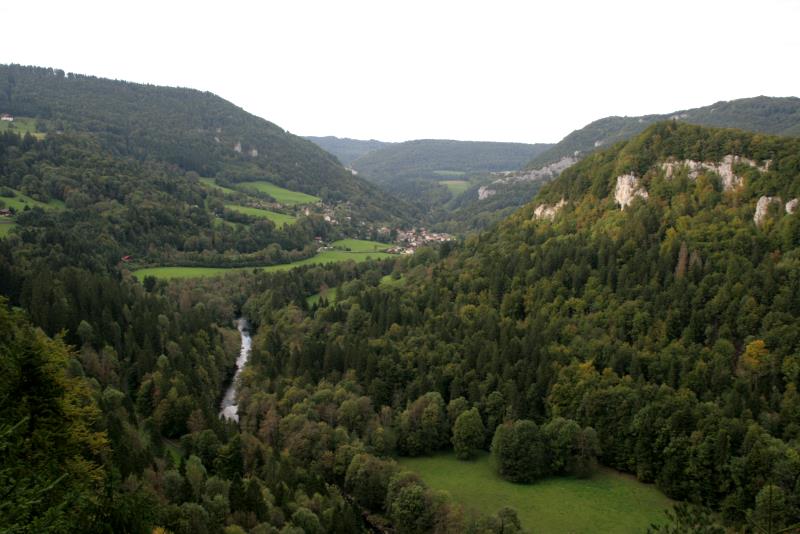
(315, 298)
(327, 256)
(360, 245)
(21, 125)
(284, 196)
(449, 173)
(20, 201)
(607, 502)
(456, 187)
(279, 219)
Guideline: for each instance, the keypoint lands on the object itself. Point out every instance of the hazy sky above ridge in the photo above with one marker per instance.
(496, 71)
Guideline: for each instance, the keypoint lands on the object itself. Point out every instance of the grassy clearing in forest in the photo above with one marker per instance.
(284, 196)
(21, 126)
(607, 502)
(328, 256)
(279, 219)
(456, 187)
(360, 245)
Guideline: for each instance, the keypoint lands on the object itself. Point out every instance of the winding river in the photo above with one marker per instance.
(229, 409)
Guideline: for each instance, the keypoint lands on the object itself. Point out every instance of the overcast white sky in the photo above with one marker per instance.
(493, 70)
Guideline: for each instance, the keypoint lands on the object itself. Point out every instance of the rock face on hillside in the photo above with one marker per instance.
(762, 207)
(548, 211)
(546, 173)
(723, 168)
(627, 189)
(484, 192)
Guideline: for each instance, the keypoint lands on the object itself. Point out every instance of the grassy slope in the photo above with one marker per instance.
(284, 196)
(608, 502)
(279, 219)
(360, 245)
(328, 256)
(21, 125)
(456, 187)
(314, 299)
(20, 201)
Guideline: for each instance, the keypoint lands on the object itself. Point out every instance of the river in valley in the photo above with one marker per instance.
(229, 408)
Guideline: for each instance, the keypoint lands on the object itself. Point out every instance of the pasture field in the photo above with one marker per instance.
(360, 245)
(279, 219)
(607, 502)
(21, 125)
(19, 201)
(284, 196)
(449, 173)
(456, 187)
(328, 256)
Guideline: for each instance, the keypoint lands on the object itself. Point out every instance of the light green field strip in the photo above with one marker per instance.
(284, 196)
(328, 256)
(21, 125)
(456, 187)
(211, 183)
(279, 219)
(449, 173)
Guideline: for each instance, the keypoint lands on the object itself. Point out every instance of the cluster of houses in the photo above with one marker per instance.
(407, 241)
(6, 212)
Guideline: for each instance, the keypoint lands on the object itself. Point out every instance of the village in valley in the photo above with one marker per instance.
(407, 241)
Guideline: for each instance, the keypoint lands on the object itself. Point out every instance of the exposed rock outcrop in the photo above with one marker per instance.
(548, 172)
(253, 153)
(237, 148)
(548, 211)
(762, 207)
(724, 169)
(484, 192)
(792, 205)
(627, 189)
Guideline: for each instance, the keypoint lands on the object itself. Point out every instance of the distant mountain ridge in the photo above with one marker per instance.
(762, 114)
(346, 149)
(429, 158)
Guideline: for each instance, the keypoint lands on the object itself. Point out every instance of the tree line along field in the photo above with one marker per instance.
(365, 250)
(607, 502)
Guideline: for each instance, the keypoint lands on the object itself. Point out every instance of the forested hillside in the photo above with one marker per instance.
(648, 299)
(500, 196)
(195, 130)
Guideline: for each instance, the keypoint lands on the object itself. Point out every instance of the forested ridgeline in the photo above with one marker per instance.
(196, 131)
(763, 114)
(668, 330)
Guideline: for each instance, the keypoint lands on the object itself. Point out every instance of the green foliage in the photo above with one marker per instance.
(51, 456)
(469, 434)
(519, 451)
